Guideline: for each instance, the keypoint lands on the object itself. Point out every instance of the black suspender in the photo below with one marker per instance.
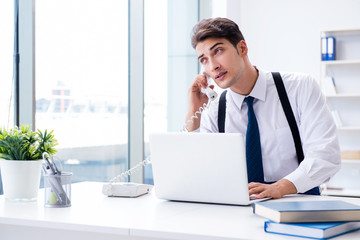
(286, 107)
(289, 114)
(222, 112)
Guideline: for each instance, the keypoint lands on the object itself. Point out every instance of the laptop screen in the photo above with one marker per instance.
(200, 167)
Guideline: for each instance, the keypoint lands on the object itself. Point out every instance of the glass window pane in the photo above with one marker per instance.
(170, 66)
(6, 63)
(6, 66)
(155, 73)
(82, 83)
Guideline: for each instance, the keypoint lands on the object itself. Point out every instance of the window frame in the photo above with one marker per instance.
(136, 88)
(27, 103)
(26, 98)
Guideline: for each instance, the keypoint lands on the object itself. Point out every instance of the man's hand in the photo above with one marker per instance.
(275, 190)
(196, 100)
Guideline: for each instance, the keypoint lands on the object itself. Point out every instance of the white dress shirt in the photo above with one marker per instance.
(316, 126)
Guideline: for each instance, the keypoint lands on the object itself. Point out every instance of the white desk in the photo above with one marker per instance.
(94, 216)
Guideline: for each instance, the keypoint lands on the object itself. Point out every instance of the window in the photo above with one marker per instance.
(6, 63)
(170, 66)
(82, 83)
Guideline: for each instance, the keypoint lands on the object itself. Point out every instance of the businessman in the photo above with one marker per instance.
(291, 141)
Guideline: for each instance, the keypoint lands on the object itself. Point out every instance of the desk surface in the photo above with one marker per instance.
(93, 215)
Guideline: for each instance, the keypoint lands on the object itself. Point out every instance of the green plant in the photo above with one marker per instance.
(24, 144)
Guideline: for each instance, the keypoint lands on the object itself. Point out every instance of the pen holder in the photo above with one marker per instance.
(57, 190)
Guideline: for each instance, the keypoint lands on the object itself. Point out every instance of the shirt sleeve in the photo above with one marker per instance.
(209, 118)
(319, 138)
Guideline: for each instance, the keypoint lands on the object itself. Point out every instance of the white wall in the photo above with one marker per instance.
(283, 35)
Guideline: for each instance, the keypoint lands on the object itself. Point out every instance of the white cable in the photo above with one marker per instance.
(131, 170)
(191, 120)
(148, 160)
(211, 96)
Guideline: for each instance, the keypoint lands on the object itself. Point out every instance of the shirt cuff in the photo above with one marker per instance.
(301, 181)
(196, 130)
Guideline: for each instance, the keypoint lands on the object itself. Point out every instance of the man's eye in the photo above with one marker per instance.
(203, 60)
(218, 50)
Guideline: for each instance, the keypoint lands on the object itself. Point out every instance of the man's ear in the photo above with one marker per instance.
(242, 49)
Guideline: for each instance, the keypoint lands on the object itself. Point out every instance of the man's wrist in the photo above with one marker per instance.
(285, 187)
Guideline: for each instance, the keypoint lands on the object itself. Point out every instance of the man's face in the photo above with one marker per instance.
(221, 61)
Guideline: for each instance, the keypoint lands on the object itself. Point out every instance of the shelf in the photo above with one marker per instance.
(341, 192)
(340, 62)
(340, 82)
(350, 160)
(344, 95)
(350, 128)
(340, 31)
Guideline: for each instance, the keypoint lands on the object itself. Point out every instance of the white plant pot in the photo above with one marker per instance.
(20, 179)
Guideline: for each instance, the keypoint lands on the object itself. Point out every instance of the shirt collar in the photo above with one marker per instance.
(258, 91)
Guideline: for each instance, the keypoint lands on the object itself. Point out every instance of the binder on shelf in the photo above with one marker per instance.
(331, 56)
(323, 49)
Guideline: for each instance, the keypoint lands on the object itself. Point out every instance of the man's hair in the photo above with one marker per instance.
(216, 28)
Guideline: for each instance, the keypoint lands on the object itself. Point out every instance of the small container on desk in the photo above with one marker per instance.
(57, 184)
(58, 190)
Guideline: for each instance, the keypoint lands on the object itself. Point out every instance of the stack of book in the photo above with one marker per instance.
(310, 219)
(353, 155)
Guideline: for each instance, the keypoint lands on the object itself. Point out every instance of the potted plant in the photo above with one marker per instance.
(21, 151)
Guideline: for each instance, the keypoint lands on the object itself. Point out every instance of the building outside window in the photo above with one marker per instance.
(82, 83)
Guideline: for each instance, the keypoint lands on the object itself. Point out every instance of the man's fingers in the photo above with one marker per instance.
(257, 189)
(195, 88)
(253, 184)
(260, 190)
(262, 195)
(201, 81)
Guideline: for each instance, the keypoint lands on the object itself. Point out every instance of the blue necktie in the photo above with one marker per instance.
(253, 146)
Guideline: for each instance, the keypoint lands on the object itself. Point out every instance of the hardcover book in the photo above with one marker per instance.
(308, 211)
(311, 230)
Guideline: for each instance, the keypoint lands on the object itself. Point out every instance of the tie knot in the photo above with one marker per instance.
(249, 100)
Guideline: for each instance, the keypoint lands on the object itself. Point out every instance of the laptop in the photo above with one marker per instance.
(200, 167)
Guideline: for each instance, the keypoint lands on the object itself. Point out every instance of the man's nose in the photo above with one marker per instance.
(214, 65)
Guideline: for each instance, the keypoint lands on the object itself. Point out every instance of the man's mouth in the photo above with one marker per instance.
(220, 76)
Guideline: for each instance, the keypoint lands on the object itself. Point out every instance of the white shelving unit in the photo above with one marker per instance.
(345, 71)
(343, 95)
(340, 62)
(349, 128)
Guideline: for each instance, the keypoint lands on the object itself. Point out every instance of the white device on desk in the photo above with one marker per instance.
(185, 169)
(121, 189)
(125, 189)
